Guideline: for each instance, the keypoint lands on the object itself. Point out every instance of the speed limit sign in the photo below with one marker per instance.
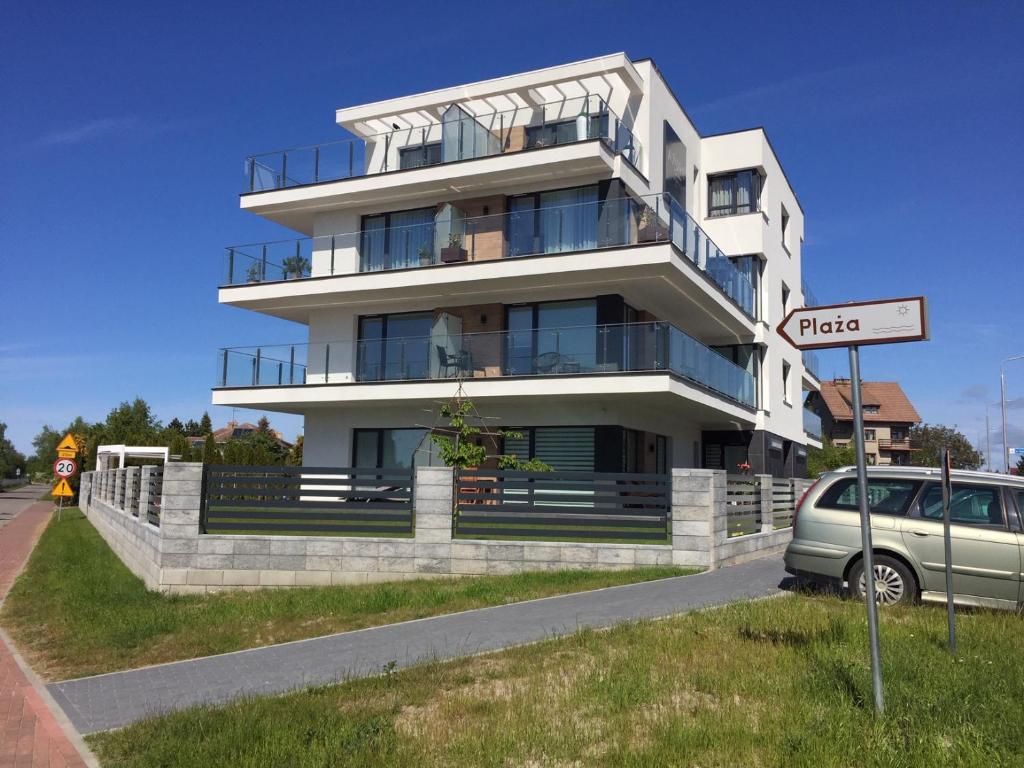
(65, 467)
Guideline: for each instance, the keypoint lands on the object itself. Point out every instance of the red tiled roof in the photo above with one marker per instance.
(893, 403)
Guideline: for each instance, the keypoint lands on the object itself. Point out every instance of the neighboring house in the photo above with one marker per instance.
(888, 417)
(565, 245)
(233, 430)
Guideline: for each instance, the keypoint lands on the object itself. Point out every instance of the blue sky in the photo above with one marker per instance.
(125, 129)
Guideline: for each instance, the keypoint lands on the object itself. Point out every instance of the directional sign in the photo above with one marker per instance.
(62, 489)
(65, 467)
(68, 443)
(885, 321)
(1015, 451)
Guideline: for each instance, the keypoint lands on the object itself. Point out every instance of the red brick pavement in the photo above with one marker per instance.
(29, 732)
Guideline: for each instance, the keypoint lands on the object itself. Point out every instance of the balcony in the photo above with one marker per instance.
(812, 424)
(568, 351)
(448, 237)
(445, 135)
(905, 444)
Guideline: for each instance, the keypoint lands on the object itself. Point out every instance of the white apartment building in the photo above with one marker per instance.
(562, 244)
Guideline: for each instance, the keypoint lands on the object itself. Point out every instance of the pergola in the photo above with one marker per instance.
(105, 453)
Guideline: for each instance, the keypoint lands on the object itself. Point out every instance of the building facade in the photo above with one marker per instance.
(888, 417)
(562, 247)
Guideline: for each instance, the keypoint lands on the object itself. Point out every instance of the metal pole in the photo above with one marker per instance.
(865, 530)
(988, 441)
(1002, 408)
(948, 544)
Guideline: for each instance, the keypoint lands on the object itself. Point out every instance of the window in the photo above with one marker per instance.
(734, 193)
(390, 448)
(869, 434)
(394, 347)
(885, 497)
(969, 505)
(419, 155)
(870, 409)
(897, 435)
(554, 337)
(559, 221)
(566, 131)
(397, 240)
(785, 300)
(785, 228)
(566, 449)
(785, 382)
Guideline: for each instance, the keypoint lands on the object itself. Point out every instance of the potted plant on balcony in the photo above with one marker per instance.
(295, 267)
(648, 231)
(426, 254)
(454, 252)
(254, 274)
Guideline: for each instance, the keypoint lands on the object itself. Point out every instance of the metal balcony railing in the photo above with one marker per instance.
(577, 350)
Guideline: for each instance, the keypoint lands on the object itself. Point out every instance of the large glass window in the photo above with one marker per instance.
(402, 448)
(566, 449)
(567, 131)
(394, 347)
(554, 337)
(397, 240)
(733, 193)
(969, 505)
(560, 221)
(419, 155)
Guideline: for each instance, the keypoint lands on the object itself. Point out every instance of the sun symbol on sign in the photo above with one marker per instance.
(903, 309)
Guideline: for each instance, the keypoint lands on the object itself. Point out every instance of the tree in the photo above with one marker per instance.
(205, 425)
(1020, 466)
(461, 446)
(830, 456)
(934, 438)
(175, 425)
(192, 428)
(211, 455)
(132, 424)
(11, 460)
(294, 457)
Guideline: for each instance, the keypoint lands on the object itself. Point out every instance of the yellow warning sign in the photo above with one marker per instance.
(66, 454)
(62, 489)
(67, 444)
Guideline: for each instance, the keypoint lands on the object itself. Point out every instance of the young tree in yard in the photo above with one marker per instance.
(461, 443)
(934, 438)
(830, 456)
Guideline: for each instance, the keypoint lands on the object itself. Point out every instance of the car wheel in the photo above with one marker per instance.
(894, 583)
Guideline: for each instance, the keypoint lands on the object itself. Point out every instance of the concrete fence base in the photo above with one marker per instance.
(177, 557)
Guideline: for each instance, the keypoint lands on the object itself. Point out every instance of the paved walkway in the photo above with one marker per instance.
(117, 699)
(31, 733)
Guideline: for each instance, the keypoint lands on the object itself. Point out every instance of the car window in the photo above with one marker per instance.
(969, 505)
(885, 496)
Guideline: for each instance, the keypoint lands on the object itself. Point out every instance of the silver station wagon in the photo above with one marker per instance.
(986, 512)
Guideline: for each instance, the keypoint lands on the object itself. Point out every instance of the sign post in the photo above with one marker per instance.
(853, 325)
(64, 467)
(947, 494)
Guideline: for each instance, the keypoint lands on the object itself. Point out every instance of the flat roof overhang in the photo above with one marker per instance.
(296, 207)
(653, 277)
(658, 390)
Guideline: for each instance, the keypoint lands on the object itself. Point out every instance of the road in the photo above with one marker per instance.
(13, 502)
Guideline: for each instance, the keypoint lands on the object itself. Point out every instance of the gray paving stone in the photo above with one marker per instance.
(118, 699)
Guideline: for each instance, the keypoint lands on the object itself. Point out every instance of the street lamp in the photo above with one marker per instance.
(1002, 404)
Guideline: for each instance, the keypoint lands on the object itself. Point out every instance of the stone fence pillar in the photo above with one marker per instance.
(144, 478)
(119, 478)
(698, 516)
(181, 507)
(433, 504)
(767, 505)
(85, 492)
(131, 484)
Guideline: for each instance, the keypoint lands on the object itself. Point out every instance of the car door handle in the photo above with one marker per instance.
(919, 532)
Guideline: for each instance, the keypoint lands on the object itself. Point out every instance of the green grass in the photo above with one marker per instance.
(771, 683)
(77, 610)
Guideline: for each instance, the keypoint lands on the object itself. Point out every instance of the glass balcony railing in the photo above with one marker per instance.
(812, 423)
(455, 135)
(449, 237)
(575, 350)
(811, 363)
